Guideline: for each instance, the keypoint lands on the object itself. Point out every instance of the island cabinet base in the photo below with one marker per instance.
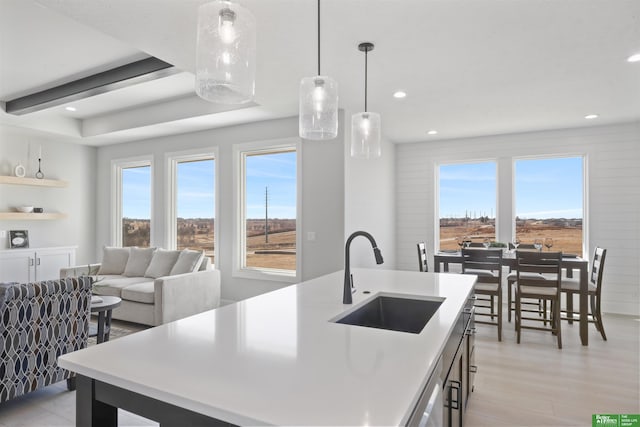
(459, 368)
(97, 405)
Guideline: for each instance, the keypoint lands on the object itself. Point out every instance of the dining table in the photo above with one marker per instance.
(569, 263)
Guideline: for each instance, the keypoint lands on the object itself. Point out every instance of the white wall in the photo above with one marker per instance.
(61, 160)
(613, 200)
(322, 196)
(370, 205)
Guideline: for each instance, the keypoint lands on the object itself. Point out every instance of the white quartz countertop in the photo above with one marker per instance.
(279, 359)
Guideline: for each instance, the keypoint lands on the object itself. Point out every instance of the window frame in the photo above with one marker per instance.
(436, 212)
(585, 192)
(171, 184)
(240, 153)
(117, 166)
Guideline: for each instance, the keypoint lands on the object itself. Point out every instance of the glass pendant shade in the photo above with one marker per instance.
(318, 108)
(365, 135)
(225, 53)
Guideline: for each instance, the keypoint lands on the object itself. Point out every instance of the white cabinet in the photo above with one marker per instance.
(36, 264)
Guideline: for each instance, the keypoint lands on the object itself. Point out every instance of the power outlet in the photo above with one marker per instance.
(3, 234)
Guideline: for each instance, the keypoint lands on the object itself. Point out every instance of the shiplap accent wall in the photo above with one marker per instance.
(612, 198)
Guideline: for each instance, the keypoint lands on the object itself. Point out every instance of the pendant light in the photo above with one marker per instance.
(225, 53)
(318, 104)
(365, 126)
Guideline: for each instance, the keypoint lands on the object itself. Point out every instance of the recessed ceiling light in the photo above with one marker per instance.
(400, 94)
(70, 108)
(591, 116)
(432, 132)
(634, 58)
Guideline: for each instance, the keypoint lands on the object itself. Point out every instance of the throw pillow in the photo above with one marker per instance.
(188, 262)
(138, 262)
(114, 260)
(161, 263)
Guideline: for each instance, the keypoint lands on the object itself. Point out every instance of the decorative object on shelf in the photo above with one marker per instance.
(365, 126)
(225, 53)
(318, 119)
(39, 174)
(20, 171)
(25, 209)
(38, 210)
(18, 239)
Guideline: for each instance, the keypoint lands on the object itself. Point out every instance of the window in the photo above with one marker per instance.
(467, 202)
(133, 203)
(549, 202)
(268, 205)
(192, 202)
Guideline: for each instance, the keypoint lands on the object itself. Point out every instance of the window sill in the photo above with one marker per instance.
(275, 275)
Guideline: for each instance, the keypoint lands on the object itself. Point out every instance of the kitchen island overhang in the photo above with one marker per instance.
(278, 358)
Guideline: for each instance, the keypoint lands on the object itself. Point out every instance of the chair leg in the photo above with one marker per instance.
(592, 312)
(492, 307)
(509, 284)
(570, 307)
(518, 317)
(499, 315)
(541, 312)
(558, 322)
(544, 310)
(598, 317)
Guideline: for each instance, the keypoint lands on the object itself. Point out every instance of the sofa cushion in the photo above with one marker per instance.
(113, 285)
(161, 263)
(140, 292)
(188, 262)
(139, 259)
(114, 260)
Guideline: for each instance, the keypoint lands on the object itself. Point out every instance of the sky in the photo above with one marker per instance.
(278, 173)
(544, 188)
(196, 188)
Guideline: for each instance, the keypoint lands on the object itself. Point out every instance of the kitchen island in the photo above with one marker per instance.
(277, 358)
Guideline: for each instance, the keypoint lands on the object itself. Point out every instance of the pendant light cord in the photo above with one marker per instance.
(318, 37)
(366, 52)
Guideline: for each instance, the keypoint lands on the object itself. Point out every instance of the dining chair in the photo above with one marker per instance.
(487, 265)
(571, 286)
(512, 277)
(422, 257)
(538, 278)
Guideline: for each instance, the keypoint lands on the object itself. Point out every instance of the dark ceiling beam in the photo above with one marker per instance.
(126, 75)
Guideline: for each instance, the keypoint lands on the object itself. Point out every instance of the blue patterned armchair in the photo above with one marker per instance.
(38, 323)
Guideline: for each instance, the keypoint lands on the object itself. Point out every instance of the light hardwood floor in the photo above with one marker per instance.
(536, 384)
(527, 384)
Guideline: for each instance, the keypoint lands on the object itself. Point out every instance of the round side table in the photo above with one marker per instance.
(103, 308)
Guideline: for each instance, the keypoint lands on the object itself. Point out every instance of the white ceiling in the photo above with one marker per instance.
(470, 67)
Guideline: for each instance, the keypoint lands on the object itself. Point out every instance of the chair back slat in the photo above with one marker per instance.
(422, 257)
(489, 260)
(530, 265)
(597, 267)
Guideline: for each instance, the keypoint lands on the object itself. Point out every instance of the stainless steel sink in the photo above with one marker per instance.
(393, 313)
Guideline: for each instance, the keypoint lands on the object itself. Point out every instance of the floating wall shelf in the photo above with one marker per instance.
(31, 216)
(16, 180)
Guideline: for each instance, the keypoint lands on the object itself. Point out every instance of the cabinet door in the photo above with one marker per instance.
(17, 267)
(453, 393)
(50, 261)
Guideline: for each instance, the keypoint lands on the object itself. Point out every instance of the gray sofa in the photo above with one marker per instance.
(153, 289)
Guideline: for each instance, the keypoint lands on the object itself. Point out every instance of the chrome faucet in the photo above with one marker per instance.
(348, 278)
